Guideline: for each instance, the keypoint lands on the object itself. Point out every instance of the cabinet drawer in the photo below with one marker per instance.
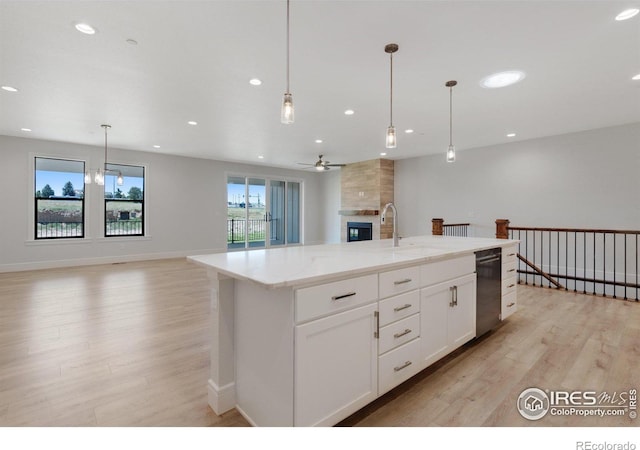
(510, 269)
(399, 307)
(438, 272)
(318, 301)
(509, 254)
(398, 281)
(509, 285)
(398, 333)
(509, 305)
(398, 365)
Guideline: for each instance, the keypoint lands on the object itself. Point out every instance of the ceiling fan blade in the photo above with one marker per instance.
(335, 165)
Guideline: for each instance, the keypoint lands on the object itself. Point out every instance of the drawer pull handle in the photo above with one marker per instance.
(406, 280)
(399, 368)
(340, 297)
(406, 331)
(511, 285)
(400, 308)
(511, 270)
(510, 305)
(511, 254)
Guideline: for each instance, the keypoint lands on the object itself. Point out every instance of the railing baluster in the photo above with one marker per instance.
(614, 265)
(594, 263)
(604, 263)
(534, 256)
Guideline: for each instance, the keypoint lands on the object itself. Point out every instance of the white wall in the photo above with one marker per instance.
(185, 206)
(331, 200)
(589, 179)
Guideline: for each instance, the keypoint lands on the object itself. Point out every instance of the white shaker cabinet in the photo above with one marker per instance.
(336, 366)
(447, 313)
(509, 281)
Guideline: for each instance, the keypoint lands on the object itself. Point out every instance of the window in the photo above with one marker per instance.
(262, 212)
(59, 198)
(124, 204)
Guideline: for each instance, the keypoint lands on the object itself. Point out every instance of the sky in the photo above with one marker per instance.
(235, 193)
(58, 179)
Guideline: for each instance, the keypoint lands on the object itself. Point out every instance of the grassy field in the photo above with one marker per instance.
(238, 213)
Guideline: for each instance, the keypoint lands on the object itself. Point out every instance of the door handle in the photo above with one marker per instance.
(454, 296)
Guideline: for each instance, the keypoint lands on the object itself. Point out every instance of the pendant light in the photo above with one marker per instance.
(102, 172)
(451, 151)
(287, 112)
(391, 131)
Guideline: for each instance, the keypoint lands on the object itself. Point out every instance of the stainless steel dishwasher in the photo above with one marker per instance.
(489, 285)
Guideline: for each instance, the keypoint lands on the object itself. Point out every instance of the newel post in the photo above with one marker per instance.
(502, 228)
(436, 226)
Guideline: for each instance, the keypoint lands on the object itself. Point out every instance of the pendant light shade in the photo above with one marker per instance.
(391, 131)
(451, 151)
(287, 115)
(391, 137)
(99, 177)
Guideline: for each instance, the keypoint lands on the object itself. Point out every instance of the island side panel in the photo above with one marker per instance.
(264, 347)
(221, 387)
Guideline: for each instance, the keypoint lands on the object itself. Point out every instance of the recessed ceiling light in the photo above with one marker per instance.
(10, 88)
(409, 131)
(349, 112)
(627, 14)
(511, 135)
(383, 154)
(85, 28)
(502, 79)
(192, 122)
(25, 129)
(156, 146)
(260, 157)
(636, 77)
(255, 82)
(318, 141)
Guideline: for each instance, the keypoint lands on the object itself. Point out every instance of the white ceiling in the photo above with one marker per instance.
(194, 60)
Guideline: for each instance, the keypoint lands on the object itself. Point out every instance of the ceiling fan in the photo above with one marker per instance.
(320, 165)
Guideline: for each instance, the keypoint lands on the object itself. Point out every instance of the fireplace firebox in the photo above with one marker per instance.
(359, 231)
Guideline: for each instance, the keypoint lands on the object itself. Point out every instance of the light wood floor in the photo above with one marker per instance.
(127, 345)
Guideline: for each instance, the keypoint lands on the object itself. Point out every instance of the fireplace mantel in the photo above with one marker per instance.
(359, 212)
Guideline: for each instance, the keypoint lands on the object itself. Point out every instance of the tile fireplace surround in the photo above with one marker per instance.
(365, 188)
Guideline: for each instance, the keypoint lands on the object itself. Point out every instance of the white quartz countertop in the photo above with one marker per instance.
(306, 264)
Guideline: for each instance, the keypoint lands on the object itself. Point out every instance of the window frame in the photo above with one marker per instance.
(120, 200)
(36, 200)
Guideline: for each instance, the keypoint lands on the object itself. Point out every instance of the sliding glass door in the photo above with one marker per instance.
(262, 212)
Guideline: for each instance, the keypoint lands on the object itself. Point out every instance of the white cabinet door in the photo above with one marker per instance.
(434, 310)
(335, 370)
(462, 316)
(448, 317)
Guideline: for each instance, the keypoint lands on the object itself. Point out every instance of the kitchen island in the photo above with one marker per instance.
(307, 335)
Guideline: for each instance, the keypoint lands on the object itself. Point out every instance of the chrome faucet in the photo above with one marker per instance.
(396, 242)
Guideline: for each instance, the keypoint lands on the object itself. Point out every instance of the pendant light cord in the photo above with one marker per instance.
(450, 115)
(391, 91)
(288, 92)
(105, 148)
